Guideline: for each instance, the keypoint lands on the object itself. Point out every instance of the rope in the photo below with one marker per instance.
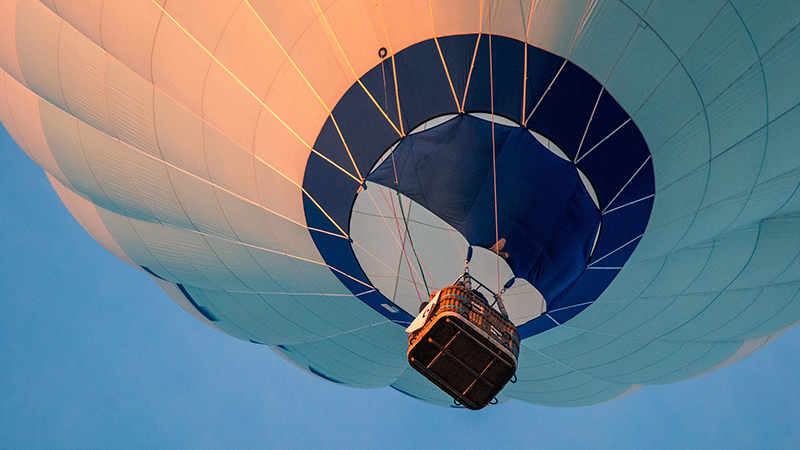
(408, 232)
(494, 151)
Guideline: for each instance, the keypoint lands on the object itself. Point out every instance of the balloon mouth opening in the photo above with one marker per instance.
(430, 196)
(608, 168)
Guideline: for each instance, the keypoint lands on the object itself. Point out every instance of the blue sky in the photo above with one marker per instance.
(94, 355)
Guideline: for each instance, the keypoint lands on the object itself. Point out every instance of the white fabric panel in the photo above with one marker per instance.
(406, 23)
(229, 166)
(209, 300)
(353, 29)
(63, 138)
(772, 300)
(748, 347)
(642, 67)
(340, 364)
(288, 331)
(767, 22)
(691, 355)
(731, 253)
(673, 211)
(8, 41)
(85, 212)
(672, 105)
(315, 57)
(581, 344)
(287, 93)
(126, 236)
(555, 25)
(604, 38)
(671, 312)
(197, 251)
(683, 153)
(786, 317)
(632, 280)
(106, 158)
(721, 54)
(173, 250)
(731, 178)
(781, 67)
(504, 18)
(679, 270)
(623, 356)
(782, 145)
(19, 112)
(152, 184)
(232, 310)
(38, 33)
(128, 32)
(130, 107)
(739, 111)
(198, 199)
(693, 18)
(178, 297)
(229, 107)
(179, 134)
(180, 66)
(285, 200)
(725, 306)
(595, 391)
(276, 147)
(533, 386)
(777, 248)
(257, 63)
(297, 310)
(207, 27)
(84, 16)
(287, 21)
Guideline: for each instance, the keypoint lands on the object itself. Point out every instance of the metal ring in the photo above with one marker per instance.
(382, 52)
(513, 379)
(493, 401)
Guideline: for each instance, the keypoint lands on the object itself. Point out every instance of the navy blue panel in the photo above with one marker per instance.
(608, 116)
(322, 375)
(151, 272)
(202, 309)
(360, 122)
(544, 213)
(562, 115)
(424, 89)
(318, 181)
(506, 71)
(614, 156)
(565, 110)
(627, 223)
(639, 187)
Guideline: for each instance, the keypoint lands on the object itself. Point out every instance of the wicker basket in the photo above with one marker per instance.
(466, 348)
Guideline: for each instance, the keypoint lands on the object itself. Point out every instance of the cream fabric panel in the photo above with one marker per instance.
(19, 112)
(84, 15)
(85, 212)
(180, 66)
(9, 61)
(81, 66)
(128, 32)
(37, 38)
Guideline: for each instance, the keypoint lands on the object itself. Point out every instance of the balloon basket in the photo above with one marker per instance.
(465, 347)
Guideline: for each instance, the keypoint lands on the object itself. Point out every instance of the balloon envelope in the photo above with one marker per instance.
(302, 174)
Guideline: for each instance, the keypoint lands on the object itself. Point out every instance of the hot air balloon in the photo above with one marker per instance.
(303, 175)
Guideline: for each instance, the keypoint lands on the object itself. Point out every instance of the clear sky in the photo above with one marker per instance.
(94, 355)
